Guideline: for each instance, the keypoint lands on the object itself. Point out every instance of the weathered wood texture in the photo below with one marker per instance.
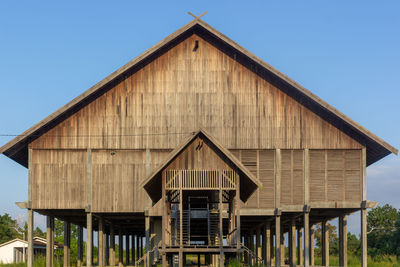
(116, 179)
(58, 179)
(335, 175)
(58, 176)
(157, 107)
(198, 156)
(184, 89)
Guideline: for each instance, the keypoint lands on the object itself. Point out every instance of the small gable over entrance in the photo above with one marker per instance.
(201, 163)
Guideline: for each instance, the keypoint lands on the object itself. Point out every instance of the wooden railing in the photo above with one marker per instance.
(201, 179)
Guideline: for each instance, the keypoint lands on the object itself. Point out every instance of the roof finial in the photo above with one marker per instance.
(196, 17)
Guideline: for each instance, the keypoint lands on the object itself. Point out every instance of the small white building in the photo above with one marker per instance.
(14, 251)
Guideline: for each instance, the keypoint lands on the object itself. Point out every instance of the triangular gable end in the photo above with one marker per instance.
(16, 149)
(215, 155)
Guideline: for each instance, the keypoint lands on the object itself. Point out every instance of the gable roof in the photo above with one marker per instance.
(377, 148)
(248, 181)
(39, 241)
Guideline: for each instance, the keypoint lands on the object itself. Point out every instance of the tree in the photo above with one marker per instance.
(59, 236)
(8, 228)
(333, 238)
(381, 230)
(353, 244)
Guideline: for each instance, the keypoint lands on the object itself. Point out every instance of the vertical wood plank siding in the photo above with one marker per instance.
(157, 107)
(183, 90)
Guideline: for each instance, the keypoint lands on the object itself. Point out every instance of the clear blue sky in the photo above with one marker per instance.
(346, 52)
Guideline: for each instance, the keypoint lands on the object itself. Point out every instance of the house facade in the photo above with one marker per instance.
(197, 147)
(15, 251)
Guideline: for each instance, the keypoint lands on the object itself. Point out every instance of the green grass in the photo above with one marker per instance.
(353, 261)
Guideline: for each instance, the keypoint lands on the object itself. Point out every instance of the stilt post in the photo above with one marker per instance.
(67, 244)
(325, 243)
(80, 247)
(343, 240)
(277, 240)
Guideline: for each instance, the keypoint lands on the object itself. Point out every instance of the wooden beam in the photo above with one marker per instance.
(251, 247)
(101, 247)
(89, 239)
(364, 248)
(267, 259)
(30, 211)
(312, 238)
(364, 257)
(147, 232)
(325, 243)
(89, 180)
(306, 176)
(137, 248)
(221, 252)
(258, 248)
(238, 223)
(277, 178)
(300, 254)
(67, 244)
(49, 237)
(163, 221)
(292, 243)
(127, 253)
(80, 247)
(120, 249)
(277, 240)
(343, 240)
(107, 250)
(112, 245)
(306, 239)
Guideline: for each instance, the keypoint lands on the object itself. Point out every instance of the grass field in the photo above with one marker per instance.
(353, 261)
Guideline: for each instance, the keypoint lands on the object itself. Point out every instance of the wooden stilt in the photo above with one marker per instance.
(49, 238)
(112, 246)
(282, 247)
(80, 247)
(67, 244)
(251, 246)
(312, 237)
(127, 252)
(258, 247)
(101, 247)
(325, 243)
(292, 243)
(147, 232)
(120, 249)
(267, 260)
(364, 237)
(221, 252)
(277, 240)
(107, 250)
(343, 240)
(89, 240)
(306, 239)
(30, 238)
(137, 247)
(300, 246)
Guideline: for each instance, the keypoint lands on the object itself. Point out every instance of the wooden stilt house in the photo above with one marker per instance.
(197, 151)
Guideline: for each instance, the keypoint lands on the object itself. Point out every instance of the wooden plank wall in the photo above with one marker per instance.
(335, 175)
(183, 90)
(58, 179)
(198, 156)
(59, 176)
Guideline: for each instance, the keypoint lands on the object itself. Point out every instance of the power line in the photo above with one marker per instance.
(98, 136)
